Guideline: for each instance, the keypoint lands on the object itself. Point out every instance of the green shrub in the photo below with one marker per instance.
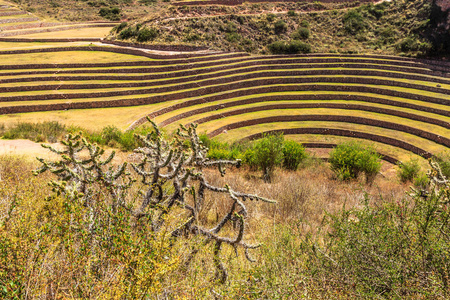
(111, 13)
(249, 159)
(421, 180)
(280, 26)
(348, 160)
(443, 159)
(301, 34)
(294, 47)
(412, 44)
(147, 34)
(268, 153)
(120, 27)
(38, 132)
(304, 23)
(353, 22)
(270, 17)
(127, 33)
(291, 13)
(409, 170)
(232, 37)
(293, 154)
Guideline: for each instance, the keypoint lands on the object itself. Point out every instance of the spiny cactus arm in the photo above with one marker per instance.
(175, 171)
(155, 127)
(232, 242)
(437, 174)
(243, 196)
(148, 143)
(59, 152)
(167, 160)
(221, 271)
(224, 220)
(237, 163)
(140, 170)
(120, 171)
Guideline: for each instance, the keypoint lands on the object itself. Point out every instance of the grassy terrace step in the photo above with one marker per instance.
(49, 29)
(15, 13)
(18, 20)
(198, 68)
(92, 33)
(27, 25)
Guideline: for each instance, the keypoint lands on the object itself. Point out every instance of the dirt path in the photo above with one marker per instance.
(24, 148)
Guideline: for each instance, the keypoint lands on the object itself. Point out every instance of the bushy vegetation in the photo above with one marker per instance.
(147, 34)
(444, 162)
(349, 160)
(397, 249)
(353, 22)
(110, 13)
(301, 34)
(38, 132)
(384, 246)
(268, 153)
(293, 154)
(293, 47)
(409, 170)
(53, 131)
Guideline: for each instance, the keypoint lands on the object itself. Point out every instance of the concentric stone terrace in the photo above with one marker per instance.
(400, 104)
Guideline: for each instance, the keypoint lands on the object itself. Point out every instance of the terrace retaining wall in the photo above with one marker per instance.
(12, 13)
(18, 20)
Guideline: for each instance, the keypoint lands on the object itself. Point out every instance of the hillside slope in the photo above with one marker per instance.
(418, 27)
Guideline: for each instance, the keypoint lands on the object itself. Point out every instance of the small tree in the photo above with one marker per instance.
(268, 153)
(293, 154)
(348, 160)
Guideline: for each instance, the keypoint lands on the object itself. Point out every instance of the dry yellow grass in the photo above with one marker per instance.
(91, 119)
(67, 57)
(91, 32)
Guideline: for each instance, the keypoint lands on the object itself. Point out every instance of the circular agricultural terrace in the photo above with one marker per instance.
(399, 104)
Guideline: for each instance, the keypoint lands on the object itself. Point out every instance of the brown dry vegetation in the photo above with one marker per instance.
(54, 270)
